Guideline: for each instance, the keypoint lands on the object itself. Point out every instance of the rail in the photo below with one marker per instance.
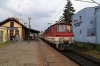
(78, 57)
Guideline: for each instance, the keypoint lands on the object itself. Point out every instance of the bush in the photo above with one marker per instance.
(86, 46)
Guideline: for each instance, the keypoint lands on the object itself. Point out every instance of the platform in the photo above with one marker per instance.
(21, 54)
(35, 53)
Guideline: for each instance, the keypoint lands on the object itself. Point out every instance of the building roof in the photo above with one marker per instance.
(17, 21)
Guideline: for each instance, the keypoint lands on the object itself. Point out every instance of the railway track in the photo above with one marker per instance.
(78, 57)
(81, 59)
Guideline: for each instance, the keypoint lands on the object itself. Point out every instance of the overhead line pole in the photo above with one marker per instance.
(29, 31)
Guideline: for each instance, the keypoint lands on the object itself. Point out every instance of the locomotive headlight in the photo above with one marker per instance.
(70, 39)
(62, 38)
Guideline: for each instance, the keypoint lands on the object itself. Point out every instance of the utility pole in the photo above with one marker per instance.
(29, 31)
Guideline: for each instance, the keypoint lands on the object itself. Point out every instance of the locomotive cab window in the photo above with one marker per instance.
(61, 28)
(69, 28)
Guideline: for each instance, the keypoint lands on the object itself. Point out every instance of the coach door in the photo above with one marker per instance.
(1, 36)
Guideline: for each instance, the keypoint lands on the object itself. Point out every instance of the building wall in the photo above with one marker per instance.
(15, 25)
(4, 30)
(20, 28)
(87, 15)
(91, 39)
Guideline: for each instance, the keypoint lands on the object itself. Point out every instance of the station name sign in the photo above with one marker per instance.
(12, 28)
(77, 23)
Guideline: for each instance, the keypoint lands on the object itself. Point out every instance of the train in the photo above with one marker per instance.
(60, 35)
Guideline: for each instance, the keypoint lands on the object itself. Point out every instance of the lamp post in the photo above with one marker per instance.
(29, 31)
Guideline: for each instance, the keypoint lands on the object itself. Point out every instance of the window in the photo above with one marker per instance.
(80, 18)
(11, 24)
(69, 28)
(61, 28)
(91, 32)
(80, 32)
(96, 9)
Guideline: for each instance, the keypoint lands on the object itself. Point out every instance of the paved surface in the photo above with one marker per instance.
(21, 54)
(54, 58)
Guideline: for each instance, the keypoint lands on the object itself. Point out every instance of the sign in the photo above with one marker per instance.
(75, 20)
(77, 24)
(12, 28)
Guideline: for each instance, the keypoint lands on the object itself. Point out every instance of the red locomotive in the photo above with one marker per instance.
(60, 34)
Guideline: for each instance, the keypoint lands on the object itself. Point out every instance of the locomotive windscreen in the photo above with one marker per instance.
(61, 28)
(64, 28)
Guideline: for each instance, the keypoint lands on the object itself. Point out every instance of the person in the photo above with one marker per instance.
(14, 38)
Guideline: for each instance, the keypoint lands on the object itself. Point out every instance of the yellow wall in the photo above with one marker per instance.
(4, 33)
(20, 28)
(15, 25)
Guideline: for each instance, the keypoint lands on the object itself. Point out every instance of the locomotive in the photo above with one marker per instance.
(60, 35)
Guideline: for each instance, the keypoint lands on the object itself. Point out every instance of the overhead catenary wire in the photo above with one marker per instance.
(55, 11)
(58, 13)
(92, 1)
(58, 5)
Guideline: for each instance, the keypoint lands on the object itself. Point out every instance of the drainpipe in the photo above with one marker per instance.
(96, 27)
(96, 23)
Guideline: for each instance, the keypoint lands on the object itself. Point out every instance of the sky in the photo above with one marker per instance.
(41, 12)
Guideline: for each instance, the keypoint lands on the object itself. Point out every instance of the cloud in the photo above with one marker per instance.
(40, 11)
(78, 5)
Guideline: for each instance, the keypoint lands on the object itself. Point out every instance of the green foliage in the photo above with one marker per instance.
(68, 12)
(6, 44)
(86, 46)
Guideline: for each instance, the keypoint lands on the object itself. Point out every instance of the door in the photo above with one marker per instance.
(11, 35)
(1, 36)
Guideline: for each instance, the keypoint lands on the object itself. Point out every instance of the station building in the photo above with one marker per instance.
(3, 32)
(15, 27)
(86, 25)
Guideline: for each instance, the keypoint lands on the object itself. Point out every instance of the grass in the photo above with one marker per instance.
(88, 48)
(93, 53)
(6, 44)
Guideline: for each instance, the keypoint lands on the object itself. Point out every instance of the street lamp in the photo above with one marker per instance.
(29, 31)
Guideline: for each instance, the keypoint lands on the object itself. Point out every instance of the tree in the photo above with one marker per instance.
(61, 18)
(68, 12)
